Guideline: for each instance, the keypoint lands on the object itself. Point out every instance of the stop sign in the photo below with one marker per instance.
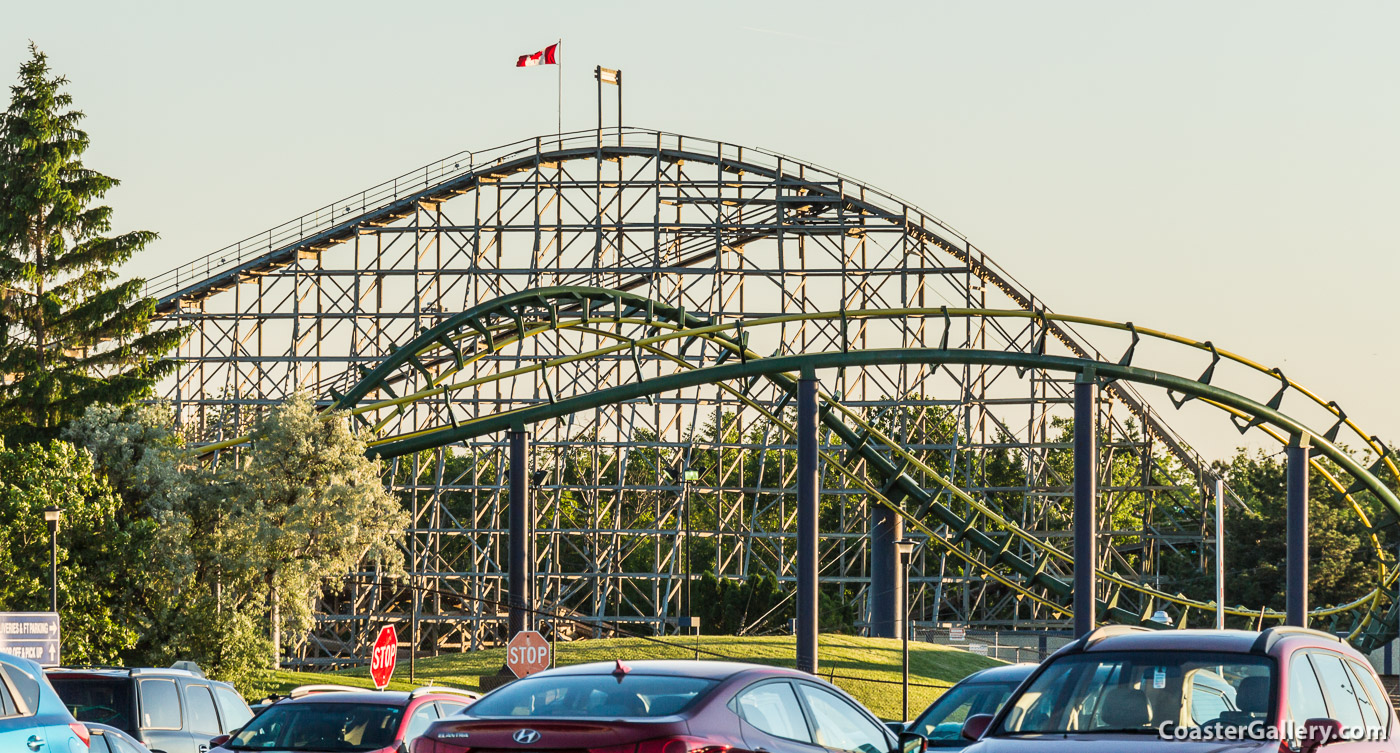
(385, 656)
(527, 653)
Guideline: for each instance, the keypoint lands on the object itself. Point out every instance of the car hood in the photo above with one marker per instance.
(1113, 744)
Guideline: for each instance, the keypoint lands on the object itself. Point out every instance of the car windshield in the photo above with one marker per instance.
(97, 700)
(943, 721)
(594, 696)
(1137, 692)
(320, 727)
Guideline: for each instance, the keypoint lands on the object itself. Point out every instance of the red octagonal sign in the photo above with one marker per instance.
(385, 656)
(527, 653)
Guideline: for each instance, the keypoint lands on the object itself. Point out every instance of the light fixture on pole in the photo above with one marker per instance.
(51, 515)
(905, 547)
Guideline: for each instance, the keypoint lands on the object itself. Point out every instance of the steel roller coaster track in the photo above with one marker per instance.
(618, 292)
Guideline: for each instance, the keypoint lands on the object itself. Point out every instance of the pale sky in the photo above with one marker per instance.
(1223, 170)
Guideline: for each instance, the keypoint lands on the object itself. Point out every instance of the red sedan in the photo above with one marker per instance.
(331, 718)
(665, 707)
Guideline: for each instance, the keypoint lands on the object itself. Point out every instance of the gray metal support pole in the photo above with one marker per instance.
(53, 567)
(1299, 448)
(1086, 494)
(807, 486)
(886, 585)
(519, 538)
(1219, 554)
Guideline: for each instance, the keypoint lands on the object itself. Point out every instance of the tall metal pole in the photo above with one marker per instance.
(53, 566)
(619, 117)
(52, 514)
(906, 552)
(1219, 554)
(1299, 447)
(519, 537)
(598, 74)
(1086, 463)
(807, 485)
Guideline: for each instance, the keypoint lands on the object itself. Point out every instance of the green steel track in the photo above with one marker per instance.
(971, 530)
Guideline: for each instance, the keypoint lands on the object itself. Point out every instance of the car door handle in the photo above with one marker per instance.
(204, 748)
(35, 743)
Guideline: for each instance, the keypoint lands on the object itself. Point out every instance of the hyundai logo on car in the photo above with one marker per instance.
(526, 736)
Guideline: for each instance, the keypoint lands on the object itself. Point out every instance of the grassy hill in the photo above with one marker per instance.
(867, 668)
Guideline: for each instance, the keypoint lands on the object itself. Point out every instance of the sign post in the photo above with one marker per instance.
(527, 653)
(31, 635)
(385, 656)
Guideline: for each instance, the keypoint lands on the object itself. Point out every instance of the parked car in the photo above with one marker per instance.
(330, 717)
(171, 710)
(32, 717)
(1129, 688)
(104, 738)
(981, 692)
(666, 707)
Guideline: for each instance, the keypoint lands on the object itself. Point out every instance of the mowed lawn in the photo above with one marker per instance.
(867, 668)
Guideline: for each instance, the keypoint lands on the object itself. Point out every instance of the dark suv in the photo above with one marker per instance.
(1129, 688)
(170, 710)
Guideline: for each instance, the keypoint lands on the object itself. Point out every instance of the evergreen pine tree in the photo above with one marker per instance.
(69, 336)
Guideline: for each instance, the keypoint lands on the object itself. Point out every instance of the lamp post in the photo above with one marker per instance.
(51, 515)
(906, 555)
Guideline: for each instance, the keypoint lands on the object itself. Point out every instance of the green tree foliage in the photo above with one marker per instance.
(92, 553)
(69, 337)
(307, 506)
(1342, 562)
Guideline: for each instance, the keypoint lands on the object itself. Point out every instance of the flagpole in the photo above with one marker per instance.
(559, 92)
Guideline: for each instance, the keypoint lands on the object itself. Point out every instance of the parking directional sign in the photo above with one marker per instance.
(31, 635)
(527, 653)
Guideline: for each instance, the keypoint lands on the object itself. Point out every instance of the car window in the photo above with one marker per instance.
(422, 717)
(160, 705)
(448, 709)
(1305, 699)
(98, 744)
(772, 707)
(944, 719)
(1336, 683)
(96, 699)
(200, 703)
(839, 725)
(25, 685)
(1373, 705)
(121, 746)
(232, 708)
(7, 704)
(1208, 703)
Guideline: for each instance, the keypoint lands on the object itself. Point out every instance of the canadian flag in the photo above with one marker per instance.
(547, 56)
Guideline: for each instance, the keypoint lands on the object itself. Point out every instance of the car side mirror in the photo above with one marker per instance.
(1319, 732)
(910, 742)
(975, 726)
(220, 740)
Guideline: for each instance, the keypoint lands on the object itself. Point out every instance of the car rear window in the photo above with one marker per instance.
(321, 727)
(591, 696)
(233, 708)
(99, 700)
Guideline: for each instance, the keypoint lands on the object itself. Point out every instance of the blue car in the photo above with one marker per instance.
(981, 692)
(32, 717)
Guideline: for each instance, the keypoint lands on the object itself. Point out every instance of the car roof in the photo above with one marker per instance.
(709, 670)
(383, 697)
(1227, 641)
(121, 672)
(1002, 673)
